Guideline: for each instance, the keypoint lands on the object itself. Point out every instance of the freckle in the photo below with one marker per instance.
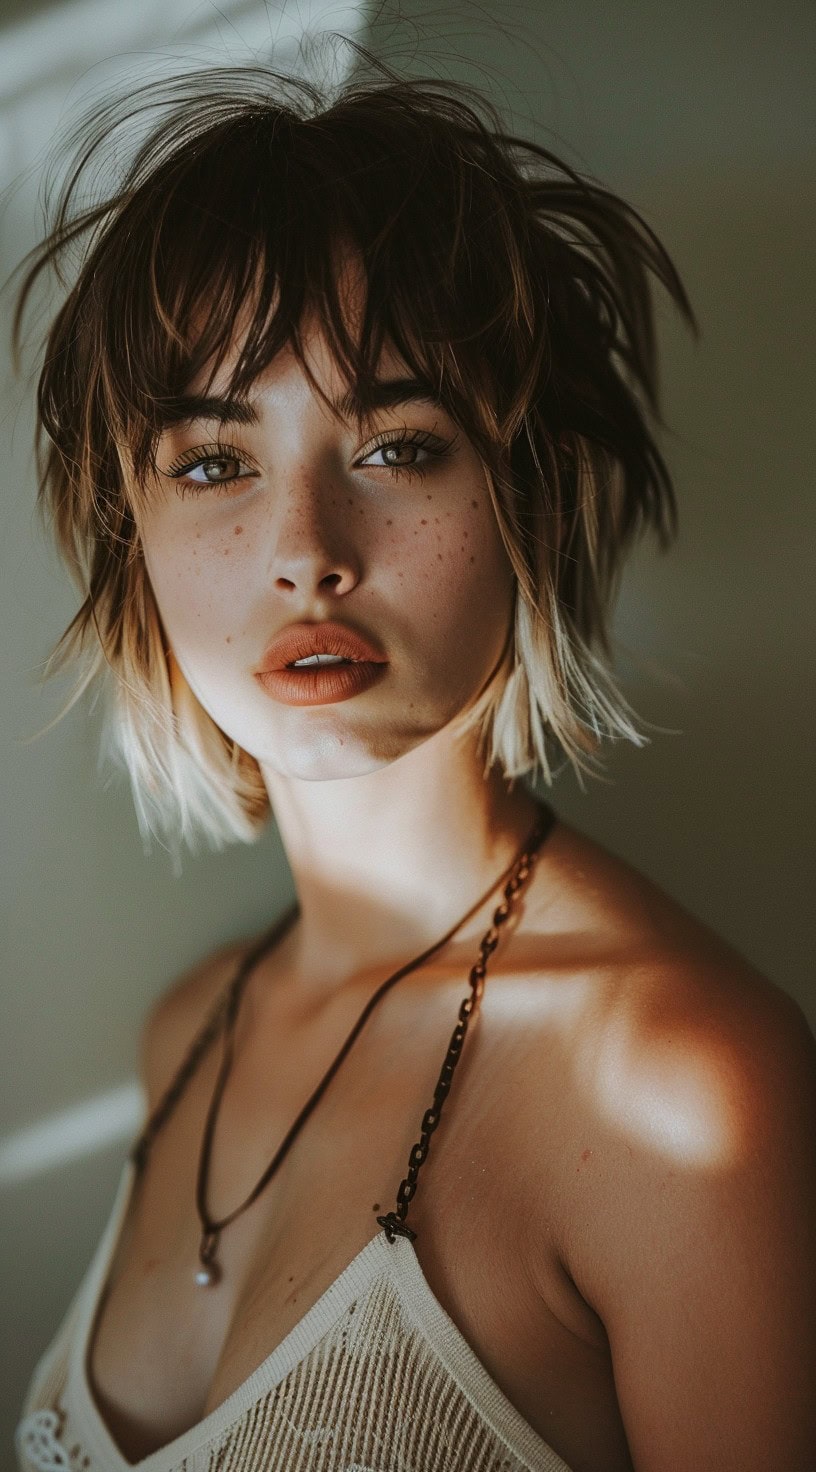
(429, 498)
(436, 521)
(350, 502)
(465, 534)
(228, 639)
(389, 523)
(291, 1280)
(473, 559)
(423, 522)
(439, 556)
(376, 1206)
(475, 505)
(238, 531)
(226, 551)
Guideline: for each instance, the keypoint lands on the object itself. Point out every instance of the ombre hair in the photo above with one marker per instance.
(516, 287)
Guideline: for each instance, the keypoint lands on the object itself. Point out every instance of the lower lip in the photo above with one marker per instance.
(321, 684)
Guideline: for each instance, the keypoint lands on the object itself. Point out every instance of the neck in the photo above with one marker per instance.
(384, 864)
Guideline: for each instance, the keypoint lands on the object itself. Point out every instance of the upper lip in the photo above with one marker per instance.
(298, 641)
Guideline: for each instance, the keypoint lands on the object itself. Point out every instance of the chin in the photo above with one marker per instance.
(330, 756)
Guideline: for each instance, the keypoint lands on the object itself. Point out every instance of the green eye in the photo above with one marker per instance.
(417, 443)
(226, 467)
(211, 465)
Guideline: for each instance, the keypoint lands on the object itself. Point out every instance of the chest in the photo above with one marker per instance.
(471, 1212)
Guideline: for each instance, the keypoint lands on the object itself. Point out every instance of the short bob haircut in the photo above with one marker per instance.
(516, 287)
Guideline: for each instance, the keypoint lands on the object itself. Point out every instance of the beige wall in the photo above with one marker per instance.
(702, 117)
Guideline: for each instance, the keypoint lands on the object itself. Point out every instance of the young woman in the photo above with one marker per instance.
(486, 1155)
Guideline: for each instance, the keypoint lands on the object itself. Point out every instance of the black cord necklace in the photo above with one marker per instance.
(225, 1014)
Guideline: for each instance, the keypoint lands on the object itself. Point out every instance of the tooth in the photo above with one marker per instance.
(321, 659)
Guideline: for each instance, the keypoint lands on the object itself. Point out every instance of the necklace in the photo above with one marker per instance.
(209, 1270)
(224, 1018)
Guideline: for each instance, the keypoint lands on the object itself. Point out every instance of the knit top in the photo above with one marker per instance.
(375, 1377)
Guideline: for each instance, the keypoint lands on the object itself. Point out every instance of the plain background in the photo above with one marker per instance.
(702, 116)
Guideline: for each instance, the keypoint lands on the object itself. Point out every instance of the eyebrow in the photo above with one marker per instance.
(190, 407)
(386, 393)
(389, 393)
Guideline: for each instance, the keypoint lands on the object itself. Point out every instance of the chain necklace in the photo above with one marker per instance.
(224, 1017)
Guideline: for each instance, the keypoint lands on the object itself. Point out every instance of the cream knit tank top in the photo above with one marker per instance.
(375, 1377)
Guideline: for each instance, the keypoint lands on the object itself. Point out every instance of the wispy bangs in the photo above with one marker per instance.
(516, 289)
(234, 215)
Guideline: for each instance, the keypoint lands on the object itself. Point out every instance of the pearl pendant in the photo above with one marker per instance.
(208, 1275)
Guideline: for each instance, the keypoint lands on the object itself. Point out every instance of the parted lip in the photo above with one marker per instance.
(298, 641)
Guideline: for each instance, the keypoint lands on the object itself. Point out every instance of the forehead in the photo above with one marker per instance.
(388, 391)
(310, 368)
(243, 353)
(316, 347)
(315, 341)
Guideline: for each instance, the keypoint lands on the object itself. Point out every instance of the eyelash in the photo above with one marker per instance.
(436, 448)
(204, 455)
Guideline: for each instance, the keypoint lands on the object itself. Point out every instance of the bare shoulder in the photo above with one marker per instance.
(643, 953)
(672, 1029)
(684, 1172)
(176, 1017)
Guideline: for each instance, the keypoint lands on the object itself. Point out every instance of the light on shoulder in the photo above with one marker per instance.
(689, 1056)
(689, 1214)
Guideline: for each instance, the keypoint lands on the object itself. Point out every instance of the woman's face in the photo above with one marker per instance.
(282, 515)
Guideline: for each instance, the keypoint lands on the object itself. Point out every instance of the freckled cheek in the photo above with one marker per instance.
(199, 580)
(462, 570)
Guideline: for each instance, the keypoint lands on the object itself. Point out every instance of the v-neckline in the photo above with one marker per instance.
(297, 1343)
(398, 1261)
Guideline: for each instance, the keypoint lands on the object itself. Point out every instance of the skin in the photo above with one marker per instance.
(417, 562)
(618, 1213)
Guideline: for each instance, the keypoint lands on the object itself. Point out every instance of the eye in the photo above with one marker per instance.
(407, 453)
(210, 465)
(216, 470)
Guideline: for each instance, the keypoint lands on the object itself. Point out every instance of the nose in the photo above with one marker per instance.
(311, 550)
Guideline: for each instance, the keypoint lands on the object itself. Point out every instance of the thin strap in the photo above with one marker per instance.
(211, 1228)
(393, 1223)
(222, 1017)
(207, 1035)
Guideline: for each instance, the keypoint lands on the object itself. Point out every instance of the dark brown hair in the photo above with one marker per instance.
(516, 287)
